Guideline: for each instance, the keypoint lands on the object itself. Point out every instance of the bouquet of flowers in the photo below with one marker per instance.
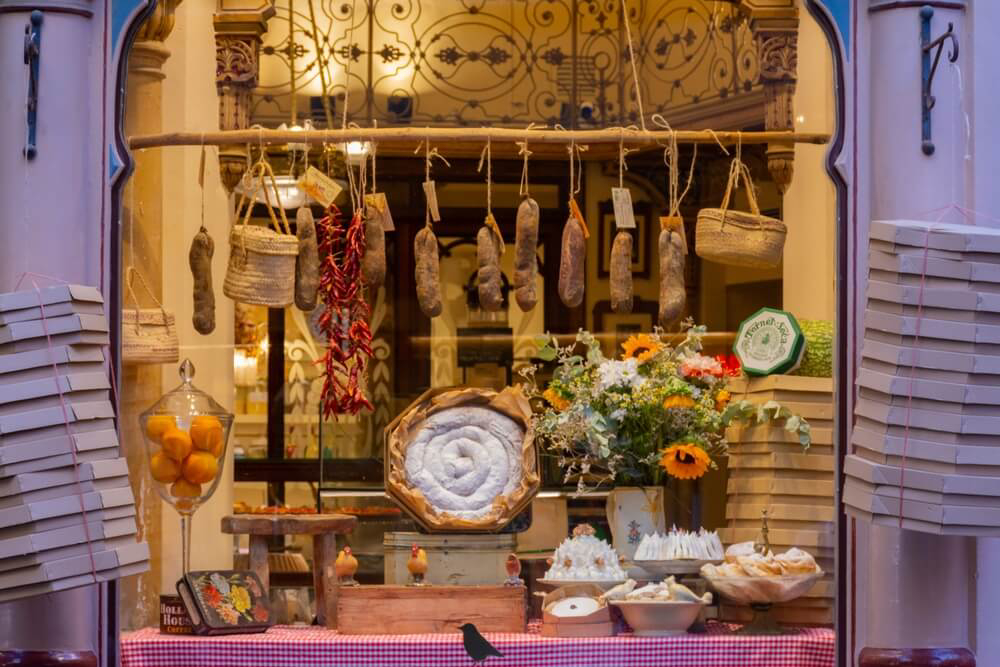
(657, 410)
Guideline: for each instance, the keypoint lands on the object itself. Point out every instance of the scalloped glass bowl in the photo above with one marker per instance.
(763, 590)
(186, 434)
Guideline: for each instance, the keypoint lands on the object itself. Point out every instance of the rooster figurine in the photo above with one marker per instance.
(346, 566)
(417, 565)
(513, 566)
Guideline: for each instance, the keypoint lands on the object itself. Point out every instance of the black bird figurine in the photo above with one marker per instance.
(476, 645)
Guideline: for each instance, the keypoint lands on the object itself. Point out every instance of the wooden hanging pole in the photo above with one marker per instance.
(414, 135)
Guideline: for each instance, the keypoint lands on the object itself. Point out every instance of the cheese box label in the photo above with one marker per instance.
(769, 342)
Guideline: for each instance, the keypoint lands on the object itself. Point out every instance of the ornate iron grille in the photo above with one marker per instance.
(507, 62)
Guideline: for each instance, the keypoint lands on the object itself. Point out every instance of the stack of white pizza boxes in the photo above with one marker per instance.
(925, 448)
(67, 514)
(770, 470)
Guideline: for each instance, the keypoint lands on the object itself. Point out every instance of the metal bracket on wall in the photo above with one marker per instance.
(928, 67)
(32, 52)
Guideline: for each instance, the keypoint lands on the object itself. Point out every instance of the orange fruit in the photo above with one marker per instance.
(176, 444)
(163, 468)
(200, 467)
(157, 425)
(185, 489)
(206, 434)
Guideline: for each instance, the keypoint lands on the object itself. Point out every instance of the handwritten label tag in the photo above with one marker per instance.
(622, 200)
(319, 186)
(432, 200)
(377, 208)
(574, 210)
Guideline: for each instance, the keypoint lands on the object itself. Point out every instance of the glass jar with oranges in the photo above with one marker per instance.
(186, 434)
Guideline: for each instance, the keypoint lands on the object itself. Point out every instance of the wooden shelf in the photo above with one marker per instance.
(307, 470)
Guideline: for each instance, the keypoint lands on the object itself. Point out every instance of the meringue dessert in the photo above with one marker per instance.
(584, 557)
(680, 545)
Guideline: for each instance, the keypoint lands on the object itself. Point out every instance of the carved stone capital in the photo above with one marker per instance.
(160, 23)
(778, 51)
(238, 30)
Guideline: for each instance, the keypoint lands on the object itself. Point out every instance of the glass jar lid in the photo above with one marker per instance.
(186, 399)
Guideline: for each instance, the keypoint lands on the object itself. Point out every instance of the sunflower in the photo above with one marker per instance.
(641, 347)
(722, 400)
(678, 401)
(555, 400)
(685, 461)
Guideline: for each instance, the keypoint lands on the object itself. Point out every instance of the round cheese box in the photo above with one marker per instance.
(769, 342)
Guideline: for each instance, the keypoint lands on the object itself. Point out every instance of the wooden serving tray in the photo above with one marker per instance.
(405, 610)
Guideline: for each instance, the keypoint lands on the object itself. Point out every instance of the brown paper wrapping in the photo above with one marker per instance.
(400, 433)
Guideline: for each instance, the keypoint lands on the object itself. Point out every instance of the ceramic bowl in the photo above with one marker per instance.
(658, 618)
(763, 590)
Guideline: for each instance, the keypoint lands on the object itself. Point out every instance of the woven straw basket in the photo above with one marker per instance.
(149, 335)
(737, 238)
(261, 267)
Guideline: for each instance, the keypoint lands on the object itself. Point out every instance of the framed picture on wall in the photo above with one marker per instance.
(641, 234)
(613, 328)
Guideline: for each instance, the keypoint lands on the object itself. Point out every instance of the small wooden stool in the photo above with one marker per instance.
(323, 528)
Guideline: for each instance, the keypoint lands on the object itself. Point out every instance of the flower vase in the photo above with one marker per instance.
(634, 511)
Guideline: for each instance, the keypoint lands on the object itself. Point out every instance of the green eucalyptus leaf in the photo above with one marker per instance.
(547, 354)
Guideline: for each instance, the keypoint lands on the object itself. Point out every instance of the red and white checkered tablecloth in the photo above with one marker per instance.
(301, 646)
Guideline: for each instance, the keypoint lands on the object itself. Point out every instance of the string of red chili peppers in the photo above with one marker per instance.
(346, 314)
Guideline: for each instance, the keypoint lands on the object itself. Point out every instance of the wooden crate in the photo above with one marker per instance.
(821, 434)
(752, 511)
(779, 486)
(404, 610)
(458, 560)
(783, 614)
(770, 461)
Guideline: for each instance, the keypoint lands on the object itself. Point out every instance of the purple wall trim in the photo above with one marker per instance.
(915, 4)
(919, 657)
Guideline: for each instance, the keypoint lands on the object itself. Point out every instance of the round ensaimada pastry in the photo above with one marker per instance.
(463, 458)
(796, 561)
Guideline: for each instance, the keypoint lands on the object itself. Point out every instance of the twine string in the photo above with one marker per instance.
(525, 153)
(201, 180)
(66, 423)
(913, 365)
(487, 157)
(635, 70)
(429, 155)
(374, 149)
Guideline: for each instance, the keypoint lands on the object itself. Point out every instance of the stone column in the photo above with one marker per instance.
(51, 223)
(142, 246)
(775, 26)
(239, 25)
(809, 201)
(916, 592)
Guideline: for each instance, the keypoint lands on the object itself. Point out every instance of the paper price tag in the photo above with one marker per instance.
(574, 210)
(622, 200)
(432, 200)
(377, 208)
(319, 186)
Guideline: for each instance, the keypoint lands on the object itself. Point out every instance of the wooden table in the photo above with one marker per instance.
(323, 527)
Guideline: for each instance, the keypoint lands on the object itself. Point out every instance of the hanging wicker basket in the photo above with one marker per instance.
(261, 267)
(737, 238)
(149, 335)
